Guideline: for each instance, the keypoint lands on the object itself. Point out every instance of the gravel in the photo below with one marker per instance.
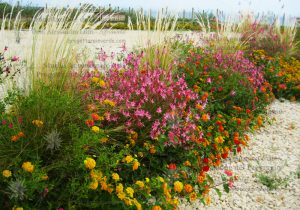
(274, 150)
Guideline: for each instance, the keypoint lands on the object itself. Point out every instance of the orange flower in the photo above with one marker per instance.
(205, 117)
(156, 208)
(193, 196)
(200, 179)
(188, 188)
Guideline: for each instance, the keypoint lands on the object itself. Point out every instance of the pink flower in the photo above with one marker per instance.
(208, 80)
(14, 58)
(228, 172)
(158, 110)
(230, 184)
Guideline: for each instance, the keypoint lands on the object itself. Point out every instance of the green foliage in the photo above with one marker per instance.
(273, 182)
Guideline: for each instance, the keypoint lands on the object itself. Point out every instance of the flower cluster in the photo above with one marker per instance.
(283, 73)
(148, 99)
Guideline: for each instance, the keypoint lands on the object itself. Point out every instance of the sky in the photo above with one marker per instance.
(289, 7)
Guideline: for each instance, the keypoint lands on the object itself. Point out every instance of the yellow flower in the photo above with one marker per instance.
(115, 176)
(156, 208)
(45, 177)
(95, 129)
(94, 185)
(128, 159)
(130, 191)
(137, 204)
(6, 173)
(178, 186)
(38, 123)
(119, 188)
(90, 163)
(140, 184)
(94, 174)
(147, 180)
(121, 195)
(102, 83)
(135, 165)
(27, 166)
(104, 140)
(95, 79)
(17, 208)
(109, 102)
(128, 201)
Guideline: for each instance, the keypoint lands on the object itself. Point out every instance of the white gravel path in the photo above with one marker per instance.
(274, 149)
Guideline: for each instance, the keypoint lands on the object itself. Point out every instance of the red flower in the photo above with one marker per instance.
(221, 128)
(205, 160)
(239, 149)
(236, 141)
(172, 166)
(224, 155)
(205, 168)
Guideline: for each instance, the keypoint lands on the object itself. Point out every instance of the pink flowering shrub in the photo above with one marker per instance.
(145, 98)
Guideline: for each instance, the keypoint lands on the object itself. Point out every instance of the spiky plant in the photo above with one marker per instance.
(53, 140)
(17, 189)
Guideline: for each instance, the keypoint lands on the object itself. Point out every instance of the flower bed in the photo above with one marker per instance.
(139, 136)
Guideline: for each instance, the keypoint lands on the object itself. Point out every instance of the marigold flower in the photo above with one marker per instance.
(135, 165)
(119, 188)
(115, 176)
(6, 173)
(103, 140)
(94, 185)
(95, 129)
(193, 196)
(128, 159)
(90, 163)
(38, 123)
(121, 195)
(130, 191)
(140, 184)
(188, 188)
(178, 186)
(27, 166)
(156, 208)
